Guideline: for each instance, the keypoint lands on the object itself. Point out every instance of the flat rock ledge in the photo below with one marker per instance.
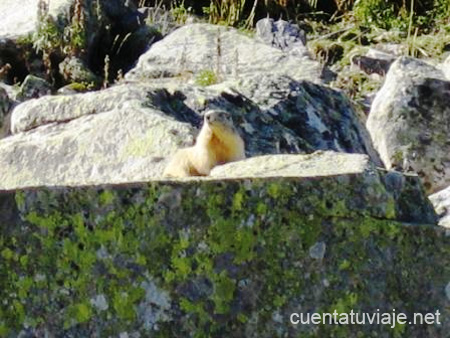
(340, 184)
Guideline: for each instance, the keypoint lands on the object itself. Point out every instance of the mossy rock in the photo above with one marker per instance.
(213, 258)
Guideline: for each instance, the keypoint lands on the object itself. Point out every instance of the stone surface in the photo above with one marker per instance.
(445, 67)
(321, 163)
(33, 87)
(19, 18)
(374, 62)
(370, 190)
(282, 35)
(230, 54)
(441, 203)
(321, 117)
(214, 258)
(75, 70)
(409, 121)
(119, 144)
(275, 112)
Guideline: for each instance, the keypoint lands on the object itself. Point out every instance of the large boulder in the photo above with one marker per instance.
(119, 144)
(231, 55)
(410, 121)
(222, 257)
(320, 117)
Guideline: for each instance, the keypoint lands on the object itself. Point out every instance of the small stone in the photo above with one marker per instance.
(277, 317)
(317, 251)
(100, 302)
(33, 87)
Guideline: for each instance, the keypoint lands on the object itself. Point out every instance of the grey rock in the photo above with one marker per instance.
(409, 121)
(119, 144)
(441, 203)
(167, 263)
(320, 163)
(374, 62)
(75, 70)
(155, 306)
(33, 87)
(100, 302)
(282, 35)
(317, 117)
(35, 113)
(275, 112)
(373, 191)
(317, 251)
(230, 54)
(445, 67)
(11, 91)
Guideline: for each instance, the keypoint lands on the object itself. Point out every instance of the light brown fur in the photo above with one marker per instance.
(217, 143)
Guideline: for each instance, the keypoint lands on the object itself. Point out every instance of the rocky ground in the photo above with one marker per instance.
(339, 128)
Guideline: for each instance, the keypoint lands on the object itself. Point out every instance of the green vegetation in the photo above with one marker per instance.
(424, 14)
(54, 41)
(206, 77)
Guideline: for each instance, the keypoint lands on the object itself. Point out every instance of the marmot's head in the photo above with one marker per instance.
(218, 120)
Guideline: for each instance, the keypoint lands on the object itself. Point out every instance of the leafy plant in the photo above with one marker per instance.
(48, 37)
(206, 77)
(75, 34)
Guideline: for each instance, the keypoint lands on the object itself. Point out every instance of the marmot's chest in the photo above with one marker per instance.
(222, 150)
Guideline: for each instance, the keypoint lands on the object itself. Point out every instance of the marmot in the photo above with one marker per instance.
(217, 143)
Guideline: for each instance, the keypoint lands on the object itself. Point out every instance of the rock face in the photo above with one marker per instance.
(374, 62)
(124, 142)
(282, 35)
(93, 242)
(32, 88)
(441, 203)
(230, 54)
(75, 70)
(376, 191)
(215, 257)
(410, 121)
